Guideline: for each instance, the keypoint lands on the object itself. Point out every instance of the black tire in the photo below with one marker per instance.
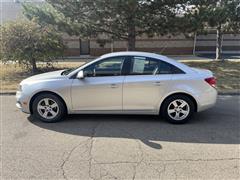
(169, 100)
(61, 108)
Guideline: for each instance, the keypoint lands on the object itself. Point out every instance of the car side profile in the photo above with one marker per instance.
(120, 83)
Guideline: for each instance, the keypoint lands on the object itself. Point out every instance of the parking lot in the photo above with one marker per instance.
(122, 147)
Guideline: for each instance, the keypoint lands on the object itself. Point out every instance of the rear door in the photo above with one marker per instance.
(145, 84)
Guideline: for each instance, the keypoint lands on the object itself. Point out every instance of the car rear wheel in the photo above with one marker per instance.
(178, 109)
(48, 108)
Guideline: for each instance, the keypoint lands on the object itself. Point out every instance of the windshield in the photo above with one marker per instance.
(69, 70)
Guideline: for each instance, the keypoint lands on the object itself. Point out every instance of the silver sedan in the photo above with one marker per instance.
(120, 83)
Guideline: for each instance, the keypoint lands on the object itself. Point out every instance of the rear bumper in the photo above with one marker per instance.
(22, 102)
(207, 99)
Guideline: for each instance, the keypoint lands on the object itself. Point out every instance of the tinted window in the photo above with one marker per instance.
(107, 67)
(176, 70)
(166, 68)
(150, 66)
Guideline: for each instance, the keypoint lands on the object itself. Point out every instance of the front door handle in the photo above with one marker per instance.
(157, 83)
(113, 86)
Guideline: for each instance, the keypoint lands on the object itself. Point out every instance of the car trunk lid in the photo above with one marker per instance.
(204, 72)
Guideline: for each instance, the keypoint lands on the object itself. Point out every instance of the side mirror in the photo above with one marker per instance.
(80, 75)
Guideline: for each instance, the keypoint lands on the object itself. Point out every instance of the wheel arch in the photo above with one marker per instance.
(46, 92)
(180, 93)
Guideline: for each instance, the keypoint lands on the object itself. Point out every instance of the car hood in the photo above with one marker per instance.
(45, 76)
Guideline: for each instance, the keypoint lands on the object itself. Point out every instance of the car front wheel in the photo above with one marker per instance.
(48, 108)
(178, 109)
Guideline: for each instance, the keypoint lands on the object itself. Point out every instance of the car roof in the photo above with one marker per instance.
(150, 55)
(144, 54)
(134, 53)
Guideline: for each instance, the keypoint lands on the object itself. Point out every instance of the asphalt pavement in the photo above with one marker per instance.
(121, 147)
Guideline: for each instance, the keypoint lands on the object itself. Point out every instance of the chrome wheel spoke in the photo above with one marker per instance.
(184, 112)
(54, 105)
(183, 104)
(177, 115)
(45, 114)
(46, 101)
(41, 107)
(171, 111)
(53, 113)
(175, 104)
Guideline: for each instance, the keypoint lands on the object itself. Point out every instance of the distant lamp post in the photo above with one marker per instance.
(194, 44)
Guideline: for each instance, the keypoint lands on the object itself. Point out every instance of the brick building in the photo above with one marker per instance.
(174, 45)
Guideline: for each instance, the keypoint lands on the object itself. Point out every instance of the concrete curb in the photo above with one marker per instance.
(233, 93)
(7, 93)
(229, 93)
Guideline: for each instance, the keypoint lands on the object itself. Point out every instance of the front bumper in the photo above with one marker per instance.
(22, 102)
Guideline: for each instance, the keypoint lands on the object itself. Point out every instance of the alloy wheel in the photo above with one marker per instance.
(178, 109)
(48, 108)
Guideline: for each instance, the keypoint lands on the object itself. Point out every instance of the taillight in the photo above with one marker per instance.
(212, 81)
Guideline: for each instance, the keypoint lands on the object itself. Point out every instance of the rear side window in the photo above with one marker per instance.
(166, 68)
(150, 66)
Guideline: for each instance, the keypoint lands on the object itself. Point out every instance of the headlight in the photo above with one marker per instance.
(19, 87)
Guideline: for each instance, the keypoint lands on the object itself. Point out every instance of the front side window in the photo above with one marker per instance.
(107, 67)
(150, 66)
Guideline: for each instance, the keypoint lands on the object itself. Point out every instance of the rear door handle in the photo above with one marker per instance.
(157, 83)
(113, 86)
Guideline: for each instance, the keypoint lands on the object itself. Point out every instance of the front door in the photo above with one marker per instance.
(101, 89)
